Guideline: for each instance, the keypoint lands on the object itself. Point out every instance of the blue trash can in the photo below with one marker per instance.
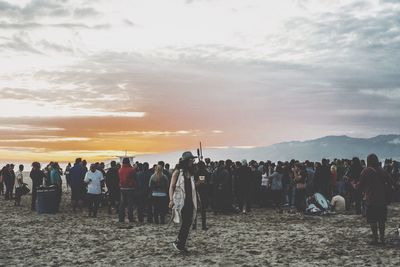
(47, 200)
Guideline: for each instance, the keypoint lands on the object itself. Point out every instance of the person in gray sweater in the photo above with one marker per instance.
(159, 194)
(277, 188)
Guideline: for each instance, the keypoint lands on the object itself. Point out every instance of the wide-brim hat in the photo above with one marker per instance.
(187, 155)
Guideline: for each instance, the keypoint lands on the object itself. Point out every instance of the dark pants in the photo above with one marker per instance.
(127, 201)
(114, 198)
(300, 199)
(59, 194)
(357, 197)
(34, 197)
(244, 200)
(277, 196)
(187, 219)
(9, 189)
(149, 206)
(1, 187)
(93, 203)
(203, 208)
(18, 195)
(159, 208)
(77, 195)
(141, 203)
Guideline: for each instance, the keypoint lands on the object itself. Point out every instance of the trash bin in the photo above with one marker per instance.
(47, 200)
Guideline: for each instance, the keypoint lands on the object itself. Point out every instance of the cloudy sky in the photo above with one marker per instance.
(95, 78)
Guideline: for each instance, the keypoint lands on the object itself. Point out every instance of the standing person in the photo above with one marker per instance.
(255, 185)
(37, 176)
(182, 195)
(375, 182)
(334, 179)
(93, 178)
(127, 183)
(202, 178)
(9, 181)
(277, 188)
(243, 186)
(1, 182)
(77, 175)
(19, 184)
(67, 175)
(112, 183)
(310, 178)
(354, 178)
(55, 179)
(144, 195)
(300, 176)
(220, 190)
(322, 179)
(159, 194)
(264, 185)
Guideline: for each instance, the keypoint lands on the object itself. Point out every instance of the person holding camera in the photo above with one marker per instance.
(183, 199)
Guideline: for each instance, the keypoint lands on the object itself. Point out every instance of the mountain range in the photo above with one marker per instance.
(385, 146)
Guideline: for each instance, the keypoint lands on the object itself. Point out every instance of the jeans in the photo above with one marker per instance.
(127, 201)
(187, 219)
(93, 203)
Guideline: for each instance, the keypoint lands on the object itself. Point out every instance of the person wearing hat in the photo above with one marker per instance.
(183, 198)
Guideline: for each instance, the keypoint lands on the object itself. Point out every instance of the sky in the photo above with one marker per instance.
(96, 78)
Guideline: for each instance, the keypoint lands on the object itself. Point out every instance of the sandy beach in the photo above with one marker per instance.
(262, 237)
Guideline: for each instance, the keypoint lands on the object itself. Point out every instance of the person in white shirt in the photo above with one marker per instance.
(93, 178)
(338, 203)
(18, 185)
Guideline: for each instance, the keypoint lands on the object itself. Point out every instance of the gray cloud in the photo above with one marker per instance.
(19, 44)
(34, 25)
(85, 12)
(35, 8)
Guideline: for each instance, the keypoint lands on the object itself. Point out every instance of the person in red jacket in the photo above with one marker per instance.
(127, 183)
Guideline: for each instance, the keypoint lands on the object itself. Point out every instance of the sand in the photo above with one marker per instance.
(262, 237)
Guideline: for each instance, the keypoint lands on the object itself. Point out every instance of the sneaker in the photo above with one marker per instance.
(177, 248)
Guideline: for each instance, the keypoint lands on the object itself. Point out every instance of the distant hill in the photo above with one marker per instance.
(385, 146)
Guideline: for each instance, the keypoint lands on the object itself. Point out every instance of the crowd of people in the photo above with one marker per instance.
(224, 187)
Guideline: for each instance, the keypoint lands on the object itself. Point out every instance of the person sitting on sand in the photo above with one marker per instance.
(374, 182)
(338, 202)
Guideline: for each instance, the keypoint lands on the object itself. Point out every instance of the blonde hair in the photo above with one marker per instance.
(158, 172)
(333, 168)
